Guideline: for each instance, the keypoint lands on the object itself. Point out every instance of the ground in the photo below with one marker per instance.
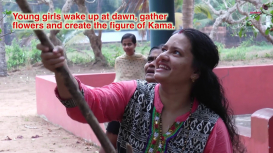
(20, 123)
(22, 130)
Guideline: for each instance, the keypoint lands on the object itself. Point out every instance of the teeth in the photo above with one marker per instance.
(164, 67)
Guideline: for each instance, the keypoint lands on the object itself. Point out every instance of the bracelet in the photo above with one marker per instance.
(70, 103)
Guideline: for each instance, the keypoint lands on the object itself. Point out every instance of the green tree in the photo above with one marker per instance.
(3, 63)
(259, 20)
(245, 15)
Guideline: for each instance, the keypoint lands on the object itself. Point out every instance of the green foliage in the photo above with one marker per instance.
(269, 55)
(203, 9)
(178, 5)
(251, 42)
(241, 32)
(219, 45)
(235, 56)
(58, 11)
(34, 55)
(77, 59)
(20, 56)
(202, 16)
(144, 49)
(16, 55)
(262, 43)
(247, 50)
(7, 12)
(257, 17)
(259, 14)
(247, 43)
(267, 31)
(112, 53)
(79, 54)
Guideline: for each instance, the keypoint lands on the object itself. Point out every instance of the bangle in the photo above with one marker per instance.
(70, 103)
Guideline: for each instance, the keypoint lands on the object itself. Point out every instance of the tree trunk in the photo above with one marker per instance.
(3, 63)
(53, 33)
(95, 41)
(262, 28)
(96, 44)
(217, 22)
(52, 36)
(51, 6)
(187, 12)
(57, 42)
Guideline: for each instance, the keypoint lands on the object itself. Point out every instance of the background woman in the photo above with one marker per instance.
(128, 66)
(113, 127)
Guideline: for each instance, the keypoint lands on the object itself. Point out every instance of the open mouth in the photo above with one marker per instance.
(150, 71)
(163, 67)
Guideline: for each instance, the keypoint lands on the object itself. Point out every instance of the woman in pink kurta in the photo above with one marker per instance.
(185, 112)
(117, 96)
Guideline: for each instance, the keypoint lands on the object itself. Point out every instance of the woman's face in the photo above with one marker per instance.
(149, 67)
(128, 46)
(174, 65)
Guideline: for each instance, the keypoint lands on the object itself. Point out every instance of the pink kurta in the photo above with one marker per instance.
(108, 104)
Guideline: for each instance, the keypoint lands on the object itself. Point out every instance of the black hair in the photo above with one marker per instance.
(156, 47)
(207, 89)
(129, 35)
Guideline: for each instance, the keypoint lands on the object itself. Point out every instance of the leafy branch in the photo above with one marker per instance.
(256, 15)
(5, 14)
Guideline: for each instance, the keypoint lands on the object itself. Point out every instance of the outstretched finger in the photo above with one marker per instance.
(42, 48)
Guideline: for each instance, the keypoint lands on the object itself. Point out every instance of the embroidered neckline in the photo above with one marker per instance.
(157, 144)
(159, 106)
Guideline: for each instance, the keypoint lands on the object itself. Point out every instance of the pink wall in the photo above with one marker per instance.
(259, 139)
(248, 88)
(96, 79)
(49, 106)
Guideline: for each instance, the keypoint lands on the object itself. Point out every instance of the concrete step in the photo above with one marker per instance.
(243, 120)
